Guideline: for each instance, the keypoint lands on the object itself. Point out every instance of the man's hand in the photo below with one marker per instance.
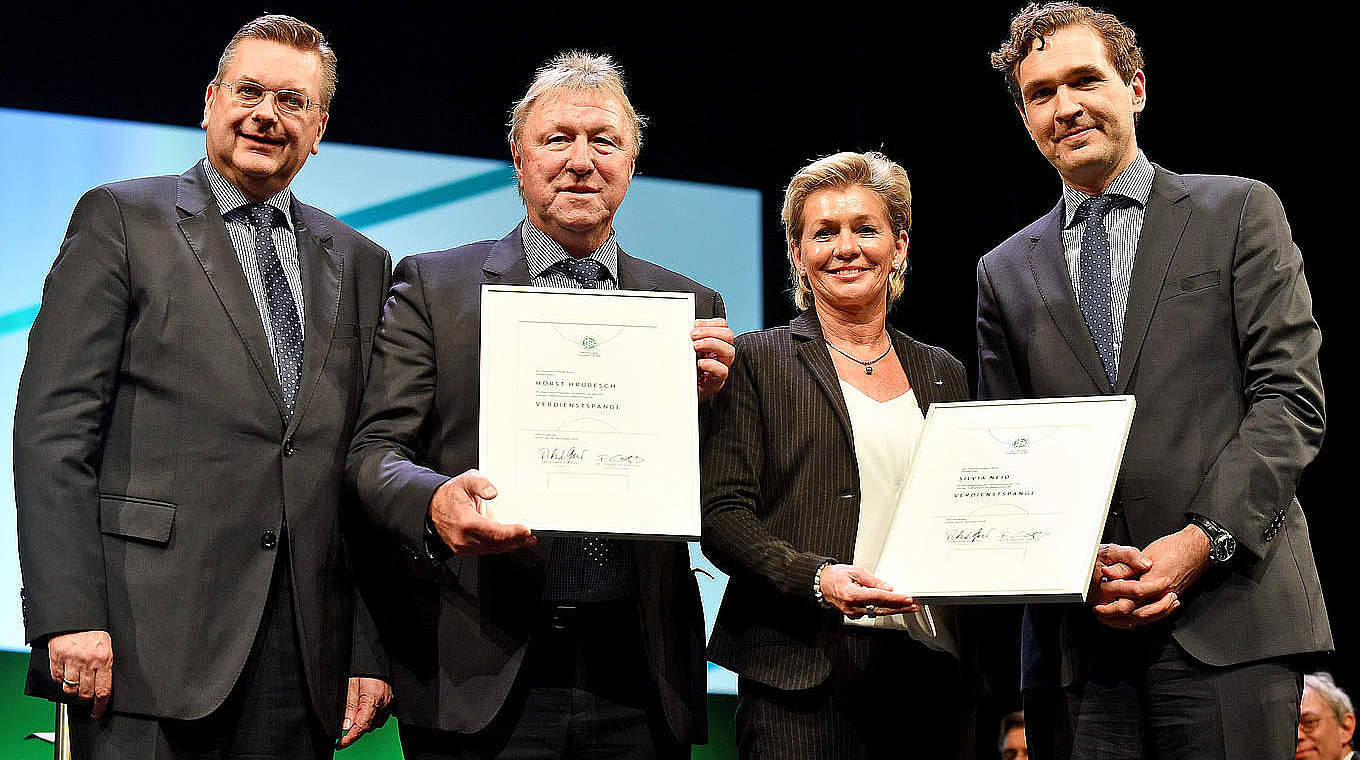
(365, 708)
(457, 514)
(1121, 595)
(713, 344)
(1178, 559)
(851, 589)
(83, 664)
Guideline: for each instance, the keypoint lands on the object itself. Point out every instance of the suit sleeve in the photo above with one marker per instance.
(367, 656)
(1251, 483)
(70, 377)
(733, 459)
(996, 373)
(399, 398)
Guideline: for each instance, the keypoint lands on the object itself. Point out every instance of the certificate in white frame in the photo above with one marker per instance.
(1006, 501)
(589, 412)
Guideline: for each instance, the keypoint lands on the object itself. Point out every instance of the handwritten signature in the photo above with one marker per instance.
(988, 534)
(572, 455)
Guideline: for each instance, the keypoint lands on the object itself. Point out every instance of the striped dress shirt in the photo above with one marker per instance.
(1124, 223)
(542, 252)
(229, 199)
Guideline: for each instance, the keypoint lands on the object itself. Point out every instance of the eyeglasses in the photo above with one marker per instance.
(1310, 723)
(251, 94)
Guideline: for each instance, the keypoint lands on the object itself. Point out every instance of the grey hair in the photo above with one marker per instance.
(576, 71)
(1322, 684)
(292, 32)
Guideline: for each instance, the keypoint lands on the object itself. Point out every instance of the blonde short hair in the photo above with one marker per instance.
(292, 32)
(576, 71)
(872, 171)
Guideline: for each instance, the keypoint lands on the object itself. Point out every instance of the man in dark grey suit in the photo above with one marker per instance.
(1188, 292)
(191, 385)
(504, 645)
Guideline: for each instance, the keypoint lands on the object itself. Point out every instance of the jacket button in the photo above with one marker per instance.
(847, 495)
(268, 540)
(288, 448)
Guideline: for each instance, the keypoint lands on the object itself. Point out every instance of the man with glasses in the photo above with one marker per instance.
(1326, 721)
(191, 384)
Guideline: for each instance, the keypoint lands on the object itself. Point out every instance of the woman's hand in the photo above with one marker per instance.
(854, 591)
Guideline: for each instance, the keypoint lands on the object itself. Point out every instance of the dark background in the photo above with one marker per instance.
(745, 98)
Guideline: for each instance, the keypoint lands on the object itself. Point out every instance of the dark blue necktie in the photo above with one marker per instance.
(587, 272)
(587, 568)
(1094, 293)
(283, 316)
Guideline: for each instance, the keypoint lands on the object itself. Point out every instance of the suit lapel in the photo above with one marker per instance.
(506, 264)
(1164, 222)
(632, 276)
(206, 234)
(813, 353)
(1049, 267)
(322, 272)
(915, 364)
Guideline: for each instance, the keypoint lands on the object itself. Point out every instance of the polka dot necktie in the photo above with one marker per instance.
(587, 272)
(1093, 295)
(586, 568)
(283, 316)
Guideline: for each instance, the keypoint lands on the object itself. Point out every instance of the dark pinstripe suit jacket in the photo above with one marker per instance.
(781, 495)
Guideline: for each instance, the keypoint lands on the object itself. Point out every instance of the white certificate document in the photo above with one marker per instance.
(589, 413)
(1006, 501)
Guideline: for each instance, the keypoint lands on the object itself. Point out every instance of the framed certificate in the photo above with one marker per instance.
(589, 411)
(1005, 501)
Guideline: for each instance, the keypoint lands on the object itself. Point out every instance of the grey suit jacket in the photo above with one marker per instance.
(458, 633)
(150, 452)
(781, 496)
(1221, 350)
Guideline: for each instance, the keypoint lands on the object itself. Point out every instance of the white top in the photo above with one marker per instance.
(885, 434)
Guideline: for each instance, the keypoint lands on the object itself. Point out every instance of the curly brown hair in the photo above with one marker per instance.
(1035, 22)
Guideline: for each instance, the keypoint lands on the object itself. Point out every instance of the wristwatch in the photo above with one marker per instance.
(1222, 545)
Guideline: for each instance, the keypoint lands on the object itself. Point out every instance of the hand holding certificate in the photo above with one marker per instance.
(1006, 501)
(589, 418)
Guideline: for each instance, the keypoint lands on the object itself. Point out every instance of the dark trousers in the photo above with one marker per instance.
(1143, 697)
(267, 715)
(585, 691)
(888, 696)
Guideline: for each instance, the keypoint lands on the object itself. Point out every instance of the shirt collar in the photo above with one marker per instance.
(1134, 183)
(230, 198)
(543, 252)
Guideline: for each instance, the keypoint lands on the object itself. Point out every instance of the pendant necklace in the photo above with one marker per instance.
(869, 365)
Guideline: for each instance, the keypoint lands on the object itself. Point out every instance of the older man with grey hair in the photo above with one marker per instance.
(1326, 721)
(505, 645)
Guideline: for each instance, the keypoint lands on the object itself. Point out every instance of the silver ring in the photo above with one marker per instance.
(67, 682)
(869, 610)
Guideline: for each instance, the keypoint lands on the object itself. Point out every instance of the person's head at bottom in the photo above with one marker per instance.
(1326, 720)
